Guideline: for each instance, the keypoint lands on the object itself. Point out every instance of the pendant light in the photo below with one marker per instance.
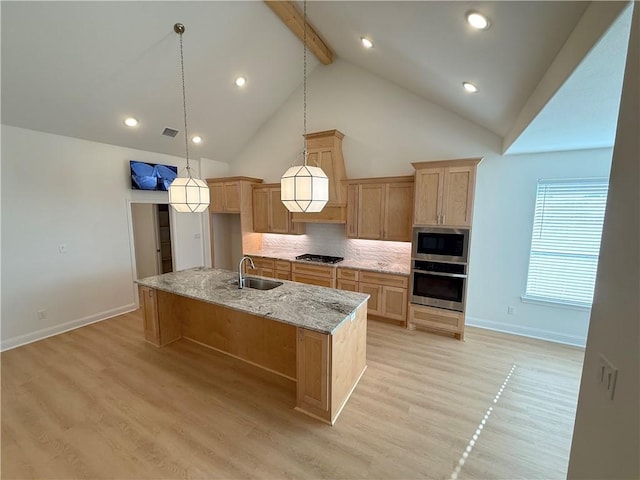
(187, 194)
(304, 188)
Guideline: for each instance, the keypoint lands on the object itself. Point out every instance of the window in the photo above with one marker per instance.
(567, 227)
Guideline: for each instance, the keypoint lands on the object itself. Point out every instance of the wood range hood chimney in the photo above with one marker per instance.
(325, 151)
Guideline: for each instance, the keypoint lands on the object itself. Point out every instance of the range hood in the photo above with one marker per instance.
(325, 151)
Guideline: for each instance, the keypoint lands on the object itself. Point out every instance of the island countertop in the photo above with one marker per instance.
(315, 308)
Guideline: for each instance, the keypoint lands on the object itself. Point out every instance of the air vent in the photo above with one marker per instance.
(170, 132)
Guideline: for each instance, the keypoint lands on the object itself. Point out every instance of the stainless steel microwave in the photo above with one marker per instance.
(440, 244)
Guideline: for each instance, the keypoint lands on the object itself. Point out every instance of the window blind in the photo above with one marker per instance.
(565, 244)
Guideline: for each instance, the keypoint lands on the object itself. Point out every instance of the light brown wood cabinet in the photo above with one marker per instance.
(269, 213)
(225, 196)
(437, 319)
(444, 192)
(320, 275)
(380, 208)
(269, 267)
(388, 292)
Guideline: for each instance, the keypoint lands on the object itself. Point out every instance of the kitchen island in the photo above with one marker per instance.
(312, 335)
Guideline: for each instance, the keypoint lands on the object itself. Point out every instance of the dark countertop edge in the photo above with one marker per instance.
(267, 316)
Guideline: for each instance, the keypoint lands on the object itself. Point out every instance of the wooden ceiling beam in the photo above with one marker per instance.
(294, 19)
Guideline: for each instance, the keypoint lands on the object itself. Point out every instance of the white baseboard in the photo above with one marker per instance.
(64, 327)
(527, 331)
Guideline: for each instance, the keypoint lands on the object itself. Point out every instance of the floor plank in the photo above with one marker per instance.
(99, 402)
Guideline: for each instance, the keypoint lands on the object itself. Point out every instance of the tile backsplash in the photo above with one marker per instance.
(331, 239)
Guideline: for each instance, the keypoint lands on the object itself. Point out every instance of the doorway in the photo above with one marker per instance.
(152, 239)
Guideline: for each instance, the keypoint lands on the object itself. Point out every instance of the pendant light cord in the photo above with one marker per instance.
(184, 104)
(304, 83)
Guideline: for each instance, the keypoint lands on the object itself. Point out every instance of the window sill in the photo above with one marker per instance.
(555, 303)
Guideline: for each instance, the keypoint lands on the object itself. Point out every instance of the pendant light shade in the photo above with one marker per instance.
(187, 194)
(304, 189)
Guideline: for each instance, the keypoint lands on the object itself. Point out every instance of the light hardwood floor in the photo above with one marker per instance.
(98, 402)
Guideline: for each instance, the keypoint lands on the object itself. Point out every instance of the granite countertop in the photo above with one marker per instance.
(399, 268)
(308, 306)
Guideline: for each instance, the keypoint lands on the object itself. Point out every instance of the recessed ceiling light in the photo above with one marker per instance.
(240, 81)
(130, 122)
(196, 139)
(477, 20)
(469, 87)
(366, 43)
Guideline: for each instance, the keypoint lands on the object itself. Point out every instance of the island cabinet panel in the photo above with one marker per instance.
(330, 366)
(149, 307)
(257, 340)
(313, 368)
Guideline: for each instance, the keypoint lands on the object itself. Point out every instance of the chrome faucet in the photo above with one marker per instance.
(240, 277)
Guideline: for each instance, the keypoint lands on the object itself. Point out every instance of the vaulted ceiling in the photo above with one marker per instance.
(79, 68)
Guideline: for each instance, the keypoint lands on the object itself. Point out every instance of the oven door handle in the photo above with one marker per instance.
(441, 274)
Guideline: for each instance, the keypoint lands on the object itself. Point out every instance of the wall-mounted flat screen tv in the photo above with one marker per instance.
(151, 176)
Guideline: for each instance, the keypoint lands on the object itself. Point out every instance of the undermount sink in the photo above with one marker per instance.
(260, 283)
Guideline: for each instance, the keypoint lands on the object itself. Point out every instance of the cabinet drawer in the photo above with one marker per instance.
(283, 265)
(313, 280)
(384, 279)
(350, 285)
(282, 275)
(263, 262)
(348, 274)
(436, 318)
(316, 270)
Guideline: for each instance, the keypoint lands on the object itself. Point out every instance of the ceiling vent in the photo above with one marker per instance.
(170, 132)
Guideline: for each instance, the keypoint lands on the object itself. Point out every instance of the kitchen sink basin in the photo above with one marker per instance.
(260, 283)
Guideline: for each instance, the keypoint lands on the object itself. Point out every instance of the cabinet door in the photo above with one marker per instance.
(260, 210)
(149, 307)
(216, 192)
(374, 307)
(398, 211)
(313, 371)
(352, 211)
(394, 303)
(282, 275)
(349, 285)
(232, 197)
(371, 211)
(458, 196)
(429, 187)
(279, 221)
(311, 280)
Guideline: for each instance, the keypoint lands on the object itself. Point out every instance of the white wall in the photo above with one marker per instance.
(501, 240)
(59, 190)
(386, 128)
(606, 437)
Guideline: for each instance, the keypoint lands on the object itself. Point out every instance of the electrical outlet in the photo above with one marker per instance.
(42, 314)
(511, 310)
(607, 375)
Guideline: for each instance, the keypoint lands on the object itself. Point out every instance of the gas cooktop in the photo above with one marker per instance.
(310, 257)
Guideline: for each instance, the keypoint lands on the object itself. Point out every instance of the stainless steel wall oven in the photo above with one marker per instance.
(440, 285)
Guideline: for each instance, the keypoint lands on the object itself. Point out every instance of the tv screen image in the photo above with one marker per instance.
(151, 176)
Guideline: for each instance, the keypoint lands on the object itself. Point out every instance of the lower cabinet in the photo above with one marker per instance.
(388, 292)
(438, 319)
(269, 267)
(314, 274)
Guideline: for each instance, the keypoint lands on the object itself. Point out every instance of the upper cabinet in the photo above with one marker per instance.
(380, 208)
(325, 151)
(269, 213)
(226, 193)
(444, 192)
